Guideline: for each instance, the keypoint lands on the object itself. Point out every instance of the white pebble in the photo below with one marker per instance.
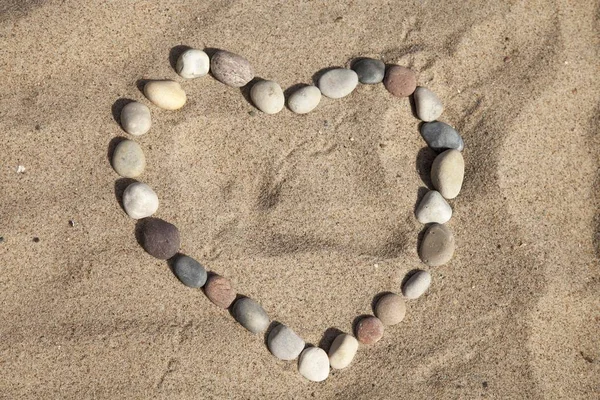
(342, 351)
(165, 94)
(139, 200)
(429, 106)
(267, 96)
(416, 285)
(448, 172)
(314, 364)
(338, 83)
(136, 119)
(433, 208)
(304, 100)
(192, 64)
(284, 343)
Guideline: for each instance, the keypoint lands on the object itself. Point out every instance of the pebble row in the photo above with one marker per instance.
(161, 239)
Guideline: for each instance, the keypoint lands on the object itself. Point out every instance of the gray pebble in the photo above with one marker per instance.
(128, 159)
(369, 71)
(416, 285)
(338, 83)
(231, 69)
(437, 246)
(189, 271)
(284, 343)
(304, 100)
(429, 106)
(440, 136)
(135, 118)
(250, 315)
(433, 208)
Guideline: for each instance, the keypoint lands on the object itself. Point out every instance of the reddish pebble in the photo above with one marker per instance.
(219, 290)
(400, 81)
(369, 330)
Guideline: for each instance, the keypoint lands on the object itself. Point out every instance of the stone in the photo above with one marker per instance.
(416, 285)
(128, 159)
(400, 81)
(139, 200)
(369, 71)
(219, 290)
(440, 136)
(304, 100)
(429, 106)
(250, 315)
(433, 208)
(165, 94)
(136, 119)
(342, 351)
(448, 172)
(189, 271)
(267, 96)
(369, 330)
(231, 69)
(390, 309)
(437, 246)
(284, 343)
(314, 364)
(192, 63)
(338, 83)
(160, 238)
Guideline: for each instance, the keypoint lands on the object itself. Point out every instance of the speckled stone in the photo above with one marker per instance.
(369, 71)
(267, 96)
(160, 238)
(338, 83)
(440, 136)
(250, 315)
(136, 119)
(390, 309)
(437, 246)
(231, 69)
(416, 285)
(219, 290)
(433, 208)
(342, 351)
(166, 94)
(304, 100)
(128, 159)
(400, 81)
(192, 63)
(314, 364)
(429, 106)
(189, 271)
(284, 343)
(448, 172)
(369, 330)
(139, 200)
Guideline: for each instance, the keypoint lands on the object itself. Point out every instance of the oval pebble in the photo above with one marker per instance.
(437, 246)
(136, 119)
(284, 343)
(160, 238)
(342, 351)
(338, 83)
(304, 100)
(429, 106)
(267, 96)
(189, 271)
(369, 71)
(219, 290)
(165, 94)
(192, 63)
(416, 285)
(433, 208)
(314, 364)
(231, 69)
(369, 330)
(448, 172)
(440, 136)
(250, 315)
(139, 200)
(390, 309)
(400, 81)
(128, 159)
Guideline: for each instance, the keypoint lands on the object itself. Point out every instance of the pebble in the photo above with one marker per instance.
(267, 96)
(416, 285)
(369, 330)
(231, 69)
(160, 238)
(304, 100)
(165, 94)
(128, 159)
(284, 343)
(429, 106)
(369, 71)
(135, 118)
(219, 290)
(448, 172)
(250, 315)
(342, 351)
(338, 83)
(400, 81)
(433, 208)
(189, 271)
(440, 136)
(192, 63)
(390, 309)
(314, 364)
(437, 246)
(139, 200)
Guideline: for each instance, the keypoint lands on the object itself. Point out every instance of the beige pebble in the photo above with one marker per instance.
(128, 159)
(390, 309)
(448, 172)
(416, 285)
(437, 246)
(342, 351)
(165, 94)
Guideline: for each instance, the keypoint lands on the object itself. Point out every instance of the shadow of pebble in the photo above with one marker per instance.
(272, 326)
(140, 83)
(413, 108)
(245, 90)
(317, 75)
(112, 145)
(117, 107)
(328, 337)
(120, 186)
(423, 163)
(174, 54)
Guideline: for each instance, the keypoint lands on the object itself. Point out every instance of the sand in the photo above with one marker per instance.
(311, 215)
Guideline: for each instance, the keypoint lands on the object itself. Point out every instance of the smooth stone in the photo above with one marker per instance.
(192, 64)
(437, 246)
(165, 94)
(440, 136)
(342, 351)
(189, 271)
(433, 208)
(429, 106)
(400, 81)
(369, 71)
(448, 172)
(314, 364)
(416, 285)
(128, 159)
(250, 315)
(136, 119)
(284, 343)
(160, 238)
(369, 330)
(390, 309)
(338, 83)
(139, 200)
(231, 69)
(267, 96)
(219, 290)
(304, 100)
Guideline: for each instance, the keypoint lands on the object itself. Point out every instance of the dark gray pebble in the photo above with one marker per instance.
(440, 136)
(250, 315)
(160, 238)
(189, 271)
(369, 71)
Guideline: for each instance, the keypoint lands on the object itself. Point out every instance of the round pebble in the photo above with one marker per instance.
(369, 330)
(314, 364)
(429, 106)
(284, 343)
(440, 136)
(165, 94)
(416, 285)
(338, 83)
(437, 246)
(304, 100)
(369, 71)
(219, 290)
(400, 81)
(135, 118)
(448, 172)
(231, 69)
(390, 309)
(192, 63)
(128, 159)
(342, 351)
(250, 315)
(433, 208)
(189, 271)
(139, 200)
(267, 96)
(160, 238)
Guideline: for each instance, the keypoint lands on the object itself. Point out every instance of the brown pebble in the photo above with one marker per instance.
(160, 238)
(219, 290)
(369, 330)
(400, 81)
(390, 309)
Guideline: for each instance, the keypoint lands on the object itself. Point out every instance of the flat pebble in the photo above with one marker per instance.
(433, 208)
(139, 200)
(369, 330)
(342, 351)
(314, 364)
(304, 100)
(284, 343)
(429, 106)
(437, 246)
(338, 83)
(231, 69)
(189, 271)
(160, 238)
(219, 290)
(165, 94)
(267, 96)
(390, 309)
(250, 315)
(136, 119)
(192, 63)
(416, 285)
(369, 71)
(128, 159)
(440, 136)
(448, 172)
(400, 81)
